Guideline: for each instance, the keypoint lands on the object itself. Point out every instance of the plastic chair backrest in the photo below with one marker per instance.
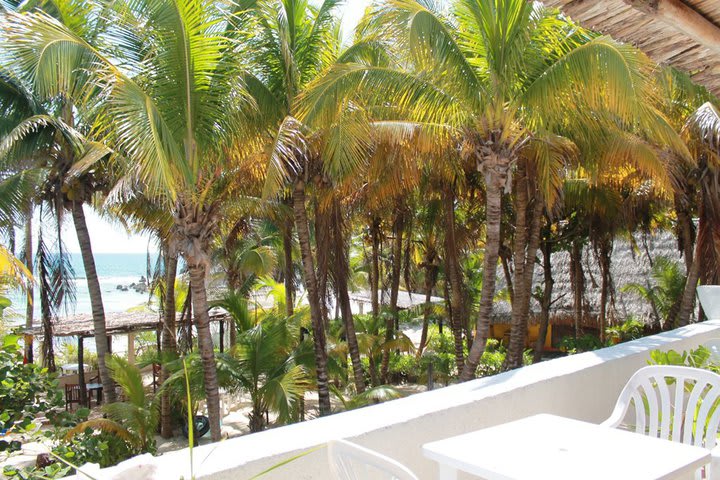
(349, 461)
(672, 402)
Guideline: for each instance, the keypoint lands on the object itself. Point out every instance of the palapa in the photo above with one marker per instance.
(684, 34)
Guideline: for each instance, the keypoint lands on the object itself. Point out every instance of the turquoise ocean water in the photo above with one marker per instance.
(113, 269)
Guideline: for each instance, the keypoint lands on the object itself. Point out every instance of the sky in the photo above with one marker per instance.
(110, 237)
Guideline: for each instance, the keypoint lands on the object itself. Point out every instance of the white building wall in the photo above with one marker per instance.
(582, 386)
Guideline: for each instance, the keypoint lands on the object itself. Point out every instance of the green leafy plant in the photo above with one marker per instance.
(698, 358)
(585, 343)
(26, 392)
(630, 329)
(666, 290)
(371, 396)
(134, 420)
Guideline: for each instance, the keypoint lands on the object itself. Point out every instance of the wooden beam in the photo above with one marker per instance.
(683, 18)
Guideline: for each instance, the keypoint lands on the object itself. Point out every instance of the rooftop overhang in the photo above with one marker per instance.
(681, 33)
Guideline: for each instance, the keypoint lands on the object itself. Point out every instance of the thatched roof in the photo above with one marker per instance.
(684, 34)
(116, 323)
(630, 264)
(81, 324)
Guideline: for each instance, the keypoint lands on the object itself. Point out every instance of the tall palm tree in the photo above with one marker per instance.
(169, 95)
(64, 153)
(494, 79)
(297, 41)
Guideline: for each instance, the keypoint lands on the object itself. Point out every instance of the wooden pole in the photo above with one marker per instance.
(131, 347)
(81, 373)
(682, 18)
(222, 336)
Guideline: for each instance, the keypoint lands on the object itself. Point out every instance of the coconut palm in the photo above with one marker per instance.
(295, 43)
(52, 138)
(268, 370)
(180, 111)
(499, 80)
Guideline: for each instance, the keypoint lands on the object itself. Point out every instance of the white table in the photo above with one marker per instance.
(551, 447)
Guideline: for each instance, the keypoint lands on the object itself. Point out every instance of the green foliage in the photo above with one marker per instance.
(666, 292)
(52, 471)
(630, 329)
(585, 343)
(268, 367)
(492, 358)
(698, 358)
(133, 421)
(26, 391)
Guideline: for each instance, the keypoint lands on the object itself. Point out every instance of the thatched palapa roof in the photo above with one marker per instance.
(116, 323)
(681, 33)
(630, 264)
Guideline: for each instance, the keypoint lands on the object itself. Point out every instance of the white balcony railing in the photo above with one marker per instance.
(582, 386)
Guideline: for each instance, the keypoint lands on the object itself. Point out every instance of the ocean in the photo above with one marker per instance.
(113, 269)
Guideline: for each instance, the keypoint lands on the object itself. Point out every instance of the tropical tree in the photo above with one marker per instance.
(500, 81)
(180, 112)
(295, 43)
(666, 291)
(267, 368)
(53, 143)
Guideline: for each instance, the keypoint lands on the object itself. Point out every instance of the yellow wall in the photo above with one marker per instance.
(502, 332)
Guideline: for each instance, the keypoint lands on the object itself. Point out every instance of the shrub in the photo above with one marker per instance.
(27, 391)
(586, 343)
(630, 329)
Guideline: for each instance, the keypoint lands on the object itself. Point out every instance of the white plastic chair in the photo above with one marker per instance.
(674, 403)
(349, 461)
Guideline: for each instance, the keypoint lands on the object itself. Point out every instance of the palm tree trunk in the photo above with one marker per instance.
(393, 320)
(431, 272)
(527, 242)
(374, 287)
(577, 279)
(288, 272)
(546, 302)
(29, 307)
(604, 256)
(457, 289)
(685, 228)
(205, 345)
(98, 312)
(168, 339)
(322, 247)
(340, 271)
(303, 229)
(494, 183)
(687, 302)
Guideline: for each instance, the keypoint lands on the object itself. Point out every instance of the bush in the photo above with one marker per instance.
(27, 391)
(630, 329)
(586, 343)
(404, 368)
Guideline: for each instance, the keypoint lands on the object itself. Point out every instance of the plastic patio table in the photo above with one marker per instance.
(558, 448)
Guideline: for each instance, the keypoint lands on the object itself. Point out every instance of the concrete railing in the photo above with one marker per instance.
(583, 386)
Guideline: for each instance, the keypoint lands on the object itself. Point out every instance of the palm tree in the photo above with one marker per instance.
(268, 370)
(296, 42)
(135, 419)
(181, 114)
(68, 159)
(499, 80)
